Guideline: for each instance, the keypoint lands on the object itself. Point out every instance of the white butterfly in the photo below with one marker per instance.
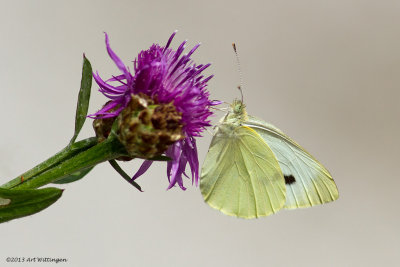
(253, 169)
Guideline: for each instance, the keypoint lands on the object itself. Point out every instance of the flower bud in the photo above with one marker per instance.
(146, 128)
(102, 127)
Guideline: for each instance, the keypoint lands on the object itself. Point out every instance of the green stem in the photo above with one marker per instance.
(107, 150)
(66, 153)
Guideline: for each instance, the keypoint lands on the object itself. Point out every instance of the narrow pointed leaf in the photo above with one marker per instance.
(74, 176)
(16, 203)
(83, 98)
(124, 175)
(160, 158)
(114, 128)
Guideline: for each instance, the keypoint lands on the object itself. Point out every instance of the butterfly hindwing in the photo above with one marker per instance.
(241, 176)
(308, 183)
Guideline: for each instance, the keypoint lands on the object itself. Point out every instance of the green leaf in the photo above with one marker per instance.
(52, 162)
(83, 98)
(124, 175)
(15, 203)
(74, 176)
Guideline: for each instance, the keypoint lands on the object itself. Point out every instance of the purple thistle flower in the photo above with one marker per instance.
(168, 76)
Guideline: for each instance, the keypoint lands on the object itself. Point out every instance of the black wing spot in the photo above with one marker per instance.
(289, 179)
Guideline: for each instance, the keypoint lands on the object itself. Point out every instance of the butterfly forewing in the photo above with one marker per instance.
(241, 176)
(308, 182)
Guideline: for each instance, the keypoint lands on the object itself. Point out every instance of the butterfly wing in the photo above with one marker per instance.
(308, 183)
(241, 176)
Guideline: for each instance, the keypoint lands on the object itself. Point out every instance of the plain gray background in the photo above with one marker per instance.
(325, 72)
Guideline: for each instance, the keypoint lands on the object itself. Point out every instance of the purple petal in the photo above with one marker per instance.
(174, 154)
(170, 40)
(116, 59)
(118, 78)
(143, 168)
(194, 161)
(193, 49)
(108, 88)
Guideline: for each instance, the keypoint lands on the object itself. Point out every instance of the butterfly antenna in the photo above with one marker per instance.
(239, 70)
(241, 92)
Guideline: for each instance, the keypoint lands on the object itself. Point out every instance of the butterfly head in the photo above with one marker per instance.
(238, 107)
(237, 113)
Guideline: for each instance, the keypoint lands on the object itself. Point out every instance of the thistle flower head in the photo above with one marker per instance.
(167, 77)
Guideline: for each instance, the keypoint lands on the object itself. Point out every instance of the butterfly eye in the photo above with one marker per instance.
(238, 108)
